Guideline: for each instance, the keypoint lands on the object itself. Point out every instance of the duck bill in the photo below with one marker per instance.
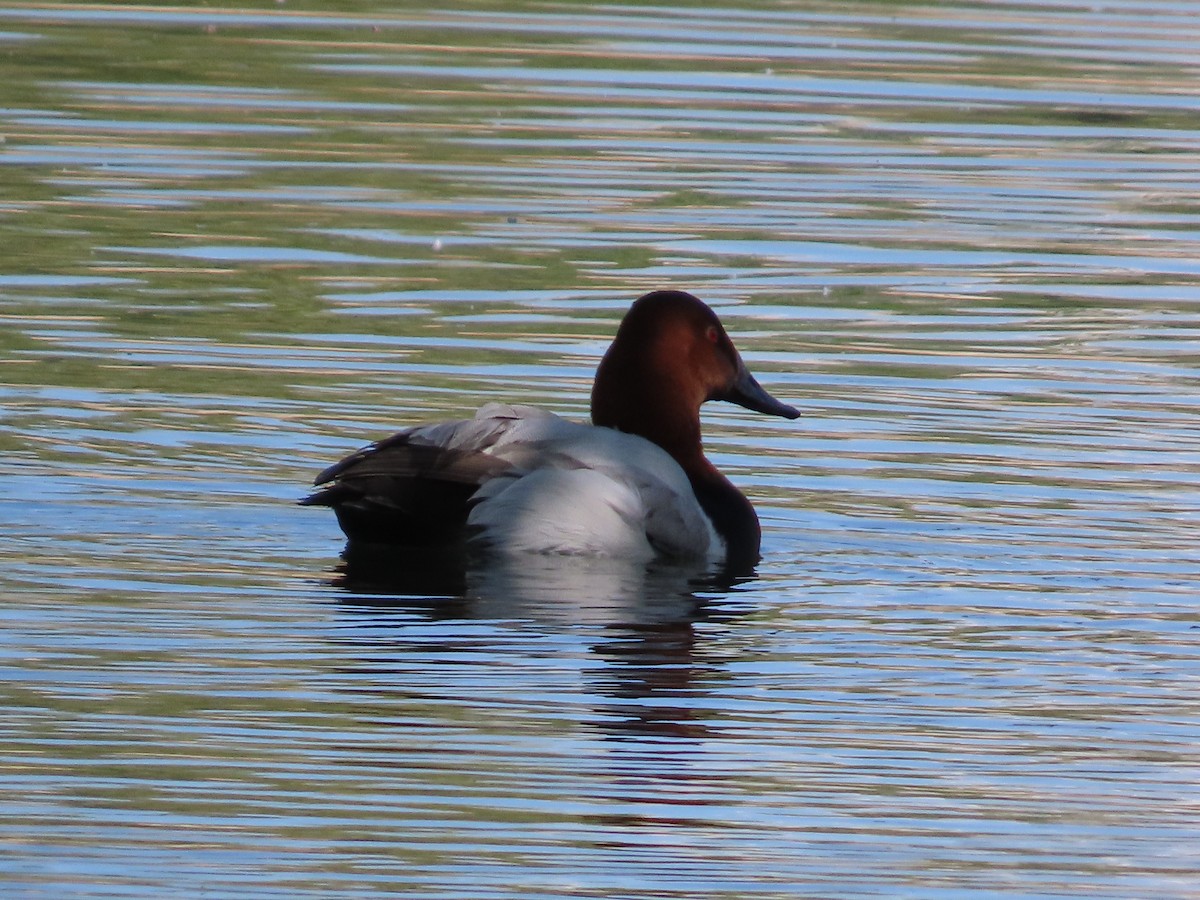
(746, 391)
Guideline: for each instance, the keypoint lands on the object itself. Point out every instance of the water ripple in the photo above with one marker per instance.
(241, 243)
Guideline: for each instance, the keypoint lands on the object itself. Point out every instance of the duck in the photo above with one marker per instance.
(634, 484)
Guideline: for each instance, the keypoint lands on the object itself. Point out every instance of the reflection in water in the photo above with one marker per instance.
(561, 588)
(651, 667)
(645, 616)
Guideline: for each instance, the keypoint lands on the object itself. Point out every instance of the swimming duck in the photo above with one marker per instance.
(634, 484)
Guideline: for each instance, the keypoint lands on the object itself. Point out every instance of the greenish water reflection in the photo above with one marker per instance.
(237, 242)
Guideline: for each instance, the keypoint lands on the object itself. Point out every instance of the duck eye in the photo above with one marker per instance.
(713, 335)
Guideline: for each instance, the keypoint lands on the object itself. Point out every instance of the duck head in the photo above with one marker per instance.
(670, 355)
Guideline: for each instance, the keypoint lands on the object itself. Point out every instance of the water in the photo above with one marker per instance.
(238, 243)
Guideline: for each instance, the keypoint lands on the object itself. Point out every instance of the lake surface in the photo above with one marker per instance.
(239, 242)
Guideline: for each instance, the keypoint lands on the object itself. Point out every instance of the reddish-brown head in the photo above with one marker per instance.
(669, 356)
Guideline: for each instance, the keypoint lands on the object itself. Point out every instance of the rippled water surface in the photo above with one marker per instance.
(239, 242)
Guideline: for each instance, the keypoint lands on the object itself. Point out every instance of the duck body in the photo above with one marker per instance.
(520, 480)
(635, 484)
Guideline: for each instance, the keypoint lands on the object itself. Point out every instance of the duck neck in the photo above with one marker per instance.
(673, 423)
(733, 518)
(668, 415)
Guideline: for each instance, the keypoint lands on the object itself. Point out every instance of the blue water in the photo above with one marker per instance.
(239, 243)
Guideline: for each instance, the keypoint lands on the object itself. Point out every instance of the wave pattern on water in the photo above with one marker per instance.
(964, 239)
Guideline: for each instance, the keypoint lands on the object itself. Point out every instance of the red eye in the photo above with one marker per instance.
(712, 334)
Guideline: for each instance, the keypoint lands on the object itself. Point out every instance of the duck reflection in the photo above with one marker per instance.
(644, 618)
